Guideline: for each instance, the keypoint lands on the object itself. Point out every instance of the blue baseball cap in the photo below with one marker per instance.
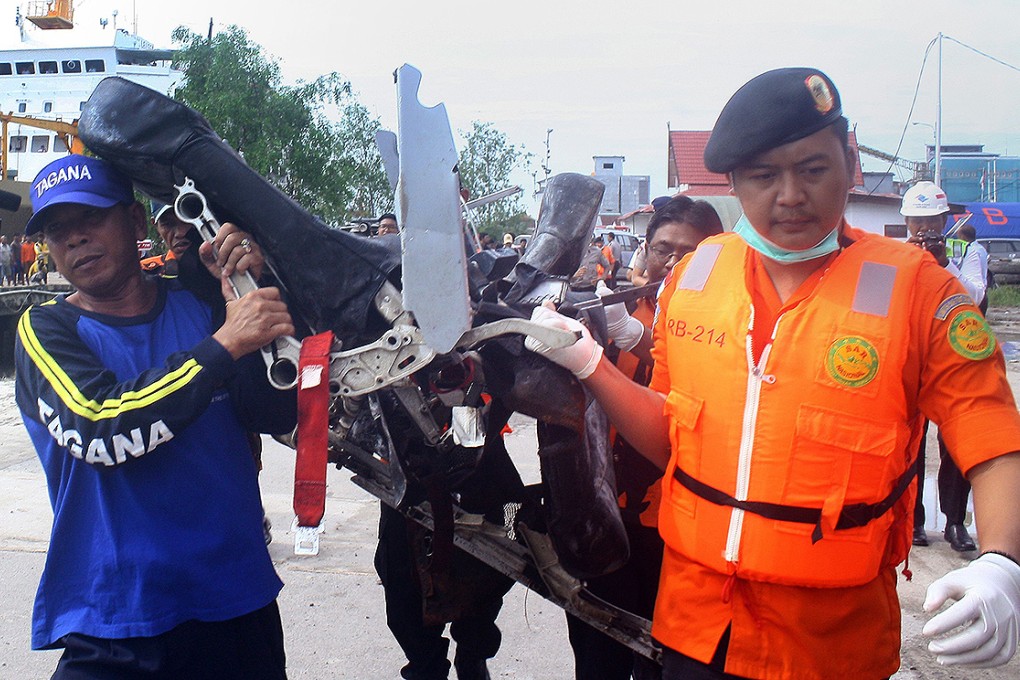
(159, 209)
(80, 180)
(659, 202)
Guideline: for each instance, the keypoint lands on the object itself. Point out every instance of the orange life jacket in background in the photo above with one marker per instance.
(156, 262)
(820, 425)
(607, 250)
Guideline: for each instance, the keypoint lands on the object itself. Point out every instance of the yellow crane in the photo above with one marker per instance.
(69, 132)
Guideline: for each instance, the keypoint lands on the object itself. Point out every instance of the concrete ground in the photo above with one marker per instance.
(332, 604)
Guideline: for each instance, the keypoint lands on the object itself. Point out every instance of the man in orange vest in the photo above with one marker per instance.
(795, 362)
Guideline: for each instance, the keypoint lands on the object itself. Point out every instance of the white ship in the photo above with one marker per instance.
(48, 68)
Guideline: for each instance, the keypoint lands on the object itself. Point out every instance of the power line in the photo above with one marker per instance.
(917, 86)
(910, 113)
(983, 54)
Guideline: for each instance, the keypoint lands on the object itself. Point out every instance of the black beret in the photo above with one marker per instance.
(775, 108)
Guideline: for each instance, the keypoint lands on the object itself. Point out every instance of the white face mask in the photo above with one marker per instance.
(829, 244)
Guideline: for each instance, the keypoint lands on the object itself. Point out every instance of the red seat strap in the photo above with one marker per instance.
(313, 424)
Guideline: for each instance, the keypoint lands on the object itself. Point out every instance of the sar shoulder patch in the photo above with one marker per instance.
(970, 336)
(852, 361)
(951, 303)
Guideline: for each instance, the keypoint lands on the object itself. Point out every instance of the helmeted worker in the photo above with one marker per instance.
(796, 360)
(925, 208)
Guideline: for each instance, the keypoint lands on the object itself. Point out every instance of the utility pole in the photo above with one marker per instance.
(938, 120)
(545, 166)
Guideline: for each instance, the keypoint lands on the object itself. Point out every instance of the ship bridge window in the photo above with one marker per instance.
(25, 68)
(5, 69)
(47, 67)
(59, 144)
(40, 144)
(22, 107)
(18, 144)
(47, 107)
(95, 66)
(71, 66)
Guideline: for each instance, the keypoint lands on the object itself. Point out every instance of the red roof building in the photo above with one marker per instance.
(687, 171)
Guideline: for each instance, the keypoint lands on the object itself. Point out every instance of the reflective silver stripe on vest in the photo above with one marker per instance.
(874, 288)
(701, 265)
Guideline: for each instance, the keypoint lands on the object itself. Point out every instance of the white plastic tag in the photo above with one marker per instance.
(311, 376)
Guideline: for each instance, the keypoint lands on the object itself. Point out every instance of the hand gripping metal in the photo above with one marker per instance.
(281, 356)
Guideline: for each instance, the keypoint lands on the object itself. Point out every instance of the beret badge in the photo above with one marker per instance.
(820, 92)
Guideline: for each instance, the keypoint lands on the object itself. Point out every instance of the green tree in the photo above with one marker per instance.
(487, 162)
(287, 133)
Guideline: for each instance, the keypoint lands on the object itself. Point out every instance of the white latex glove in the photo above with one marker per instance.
(624, 330)
(581, 358)
(986, 617)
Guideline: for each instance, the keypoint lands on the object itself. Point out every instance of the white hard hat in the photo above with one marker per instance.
(924, 199)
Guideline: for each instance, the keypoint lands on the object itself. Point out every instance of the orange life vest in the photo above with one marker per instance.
(607, 251)
(792, 471)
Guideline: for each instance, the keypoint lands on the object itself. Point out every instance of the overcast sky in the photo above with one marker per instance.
(609, 80)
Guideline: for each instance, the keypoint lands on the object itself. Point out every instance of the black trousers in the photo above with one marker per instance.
(632, 587)
(249, 647)
(954, 489)
(676, 666)
(477, 637)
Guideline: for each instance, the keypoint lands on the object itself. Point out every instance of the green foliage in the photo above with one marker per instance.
(285, 132)
(487, 162)
(1004, 296)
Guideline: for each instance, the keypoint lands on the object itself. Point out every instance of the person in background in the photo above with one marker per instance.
(508, 241)
(387, 225)
(636, 267)
(674, 231)
(19, 273)
(28, 254)
(795, 361)
(617, 253)
(974, 264)
(609, 275)
(6, 263)
(925, 208)
(425, 646)
(182, 261)
(637, 273)
(138, 406)
(42, 261)
(593, 267)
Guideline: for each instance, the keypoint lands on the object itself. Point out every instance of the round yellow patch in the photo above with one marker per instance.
(852, 361)
(970, 336)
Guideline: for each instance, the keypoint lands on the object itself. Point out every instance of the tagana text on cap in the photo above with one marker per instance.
(775, 108)
(80, 180)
